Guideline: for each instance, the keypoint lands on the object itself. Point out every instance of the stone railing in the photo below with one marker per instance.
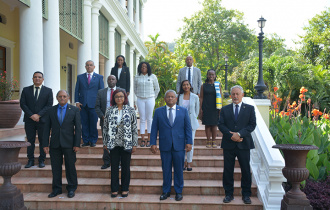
(266, 164)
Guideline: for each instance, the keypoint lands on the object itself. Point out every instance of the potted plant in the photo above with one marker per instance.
(10, 110)
(295, 136)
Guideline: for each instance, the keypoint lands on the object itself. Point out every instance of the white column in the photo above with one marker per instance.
(52, 48)
(131, 65)
(96, 6)
(123, 44)
(109, 63)
(31, 42)
(85, 48)
(130, 10)
(137, 18)
(123, 3)
(142, 23)
(137, 61)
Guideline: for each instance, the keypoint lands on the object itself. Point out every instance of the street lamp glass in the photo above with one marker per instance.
(261, 22)
(226, 58)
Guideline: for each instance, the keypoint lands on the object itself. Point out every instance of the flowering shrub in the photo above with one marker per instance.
(7, 87)
(290, 126)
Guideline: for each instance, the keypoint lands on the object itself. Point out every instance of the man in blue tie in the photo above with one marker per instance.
(172, 123)
(237, 121)
(86, 90)
(63, 122)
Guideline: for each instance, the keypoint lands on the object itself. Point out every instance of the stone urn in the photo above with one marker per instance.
(11, 197)
(295, 172)
(10, 112)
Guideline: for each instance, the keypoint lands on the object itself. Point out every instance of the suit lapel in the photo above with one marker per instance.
(105, 98)
(242, 109)
(177, 113)
(165, 115)
(54, 111)
(232, 111)
(68, 110)
(42, 91)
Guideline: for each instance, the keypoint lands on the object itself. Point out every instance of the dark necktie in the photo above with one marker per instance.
(236, 112)
(111, 95)
(61, 115)
(89, 78)
(36, 94)
(189, 75)
(170, 117)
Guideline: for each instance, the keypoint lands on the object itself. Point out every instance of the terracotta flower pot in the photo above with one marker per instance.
(10, 112)
(295, 172)
(10, 196)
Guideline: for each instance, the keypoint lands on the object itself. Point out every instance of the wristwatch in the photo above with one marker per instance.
(239, 134)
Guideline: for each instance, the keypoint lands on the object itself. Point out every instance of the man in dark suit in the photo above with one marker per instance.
(175, 136)
(237, 121)
(85, 97)
(121, 72)
(63, 122)
(35, 101)
(103, 99)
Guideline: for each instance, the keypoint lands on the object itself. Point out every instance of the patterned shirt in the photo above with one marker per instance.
(146, 86)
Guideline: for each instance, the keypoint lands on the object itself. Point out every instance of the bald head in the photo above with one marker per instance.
(112, 81)
(189, 61)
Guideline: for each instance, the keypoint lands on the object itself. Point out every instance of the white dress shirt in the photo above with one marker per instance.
(108, 95)
(239, 107)
(90, 74)
(173, 111)
(34, 90)
(191, 73)
(119, 72)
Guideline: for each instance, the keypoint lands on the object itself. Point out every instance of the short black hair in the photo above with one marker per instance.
(148, 68)
(38, 72)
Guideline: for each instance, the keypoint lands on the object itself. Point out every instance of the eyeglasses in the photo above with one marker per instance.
(117, 97)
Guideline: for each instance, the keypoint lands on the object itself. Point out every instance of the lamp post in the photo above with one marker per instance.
(226, 83)
(260, 87)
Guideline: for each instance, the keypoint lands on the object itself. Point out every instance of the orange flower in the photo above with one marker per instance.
(297, 108)
(279, 99)
(309, 101)
(275, 89)
(316, 112)
(276, 110)
(282, 113)
(302, 97)
(326, 116)
(294, 104)
(287, 113)
(275, 104)
(275, 96)
(303, 90)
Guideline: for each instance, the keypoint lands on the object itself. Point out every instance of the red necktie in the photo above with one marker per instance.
(89, 78)
(111, 95)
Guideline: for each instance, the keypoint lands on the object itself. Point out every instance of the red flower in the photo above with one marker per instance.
(326, 116)
(303, 90)
(275, 89)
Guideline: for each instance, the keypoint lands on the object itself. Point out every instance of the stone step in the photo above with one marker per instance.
(137, 186)
(98, 149)
(137, 160)
(137, 172)
(93, 201)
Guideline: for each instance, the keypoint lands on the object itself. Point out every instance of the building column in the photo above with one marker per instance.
(123, 3)
(109, 63)
(96, 6)
(142, 23)
(31, 42)
(130, 10)
(137, 16)
(131, 65)
(51, 59)
(137, 61)
(123, 44)
(85, 48)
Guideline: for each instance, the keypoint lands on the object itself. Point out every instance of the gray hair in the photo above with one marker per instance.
(237, 86)
(63, 91)
(89, 61)
(169, 92)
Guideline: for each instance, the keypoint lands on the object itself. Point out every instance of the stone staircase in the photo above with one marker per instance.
(202, 186)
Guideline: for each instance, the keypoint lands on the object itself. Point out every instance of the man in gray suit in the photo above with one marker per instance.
(191, 73)
(103, 99)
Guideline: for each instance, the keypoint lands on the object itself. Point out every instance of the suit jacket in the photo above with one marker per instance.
(196, 80)
(124, 81)
(177, 135)
(67, 135)
(101, 103)
(245, 124)
(86, 94)
(193, 109)
(30, 107)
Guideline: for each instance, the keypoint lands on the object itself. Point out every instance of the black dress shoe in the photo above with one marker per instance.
(124, 195)
(164, 196)
(228, 199)
(113, 195)
(246, 199)
(105, 166)
(41, 164)
(54, 194)
(93, 144)
(71, 194)
(85, 144)
(178, 197)
(29, 164)
(189, 169)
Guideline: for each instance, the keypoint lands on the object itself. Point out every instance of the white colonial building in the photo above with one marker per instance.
(57, 37)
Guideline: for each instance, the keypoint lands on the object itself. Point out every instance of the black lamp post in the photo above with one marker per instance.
(226, 83)
(260, 87)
